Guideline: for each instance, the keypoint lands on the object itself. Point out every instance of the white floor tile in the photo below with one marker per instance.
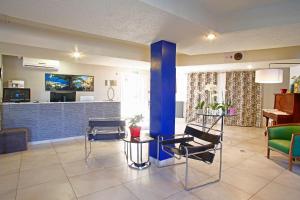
(114, 193)
(184, 195)
(93, 182)
(40, 172)
(40, 175)
(289, 179)
(82, 167)
(56, 189)
(8, 183)
(154, 187)
(276, 191)
(244, 181)
(38, 161)
(219, 191)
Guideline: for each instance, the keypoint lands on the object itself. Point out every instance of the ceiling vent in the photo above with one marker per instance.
(237, 56)
(41, 64)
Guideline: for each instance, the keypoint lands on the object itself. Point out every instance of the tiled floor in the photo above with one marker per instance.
(58, 171)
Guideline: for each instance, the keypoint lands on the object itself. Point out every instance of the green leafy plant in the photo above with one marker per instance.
(200, 105)
(214, 106)
(225, 106)
(222, 107)
(135, 120)
(228, 105)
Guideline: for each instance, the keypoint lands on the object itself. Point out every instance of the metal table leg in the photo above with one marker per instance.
(139, 163)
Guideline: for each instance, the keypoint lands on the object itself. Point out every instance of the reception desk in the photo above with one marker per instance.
(56, 120)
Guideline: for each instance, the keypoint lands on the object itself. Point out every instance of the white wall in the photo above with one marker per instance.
(35, 79)
(181, 86)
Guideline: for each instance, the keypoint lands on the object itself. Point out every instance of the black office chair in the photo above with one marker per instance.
(193, 144)
(103, 130)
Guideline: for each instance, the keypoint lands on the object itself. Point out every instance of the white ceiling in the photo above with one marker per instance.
(240, 24)
(86, 59)
(223, 7)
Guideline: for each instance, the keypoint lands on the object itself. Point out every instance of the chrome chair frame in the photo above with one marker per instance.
(218, 146)
(94, 123)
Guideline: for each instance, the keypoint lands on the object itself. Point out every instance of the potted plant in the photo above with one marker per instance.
(214, 107)
(135, 130)
(227, 108)
(200, 106)
(222, 106)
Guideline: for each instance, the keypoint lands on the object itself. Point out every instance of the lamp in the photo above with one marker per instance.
(269, 75)
(110, 91)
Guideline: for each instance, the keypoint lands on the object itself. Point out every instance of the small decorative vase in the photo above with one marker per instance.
(214, 112)
(199, 111)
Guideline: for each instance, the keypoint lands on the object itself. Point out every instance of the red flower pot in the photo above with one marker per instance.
(135, 131)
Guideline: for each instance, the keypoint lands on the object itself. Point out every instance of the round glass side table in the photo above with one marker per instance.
(139, 143)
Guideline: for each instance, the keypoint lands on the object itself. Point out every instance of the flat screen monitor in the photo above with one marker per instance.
(16, 95)
(60, 96)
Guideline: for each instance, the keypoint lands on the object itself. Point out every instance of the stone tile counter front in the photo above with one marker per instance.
(48, 121)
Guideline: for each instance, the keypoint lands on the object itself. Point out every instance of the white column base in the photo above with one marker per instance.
(162, 163)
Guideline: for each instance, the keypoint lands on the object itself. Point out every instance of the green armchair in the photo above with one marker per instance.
(285, 138)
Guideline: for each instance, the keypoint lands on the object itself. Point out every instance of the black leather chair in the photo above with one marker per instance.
(103, 129)
(193, 144)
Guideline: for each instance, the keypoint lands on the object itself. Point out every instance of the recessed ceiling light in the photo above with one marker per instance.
(211, 36)
(76, 54)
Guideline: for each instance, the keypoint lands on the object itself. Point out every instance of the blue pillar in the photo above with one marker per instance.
(162, 93)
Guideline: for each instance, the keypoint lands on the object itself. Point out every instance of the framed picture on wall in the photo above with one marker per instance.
(82, 83)
(55, 82)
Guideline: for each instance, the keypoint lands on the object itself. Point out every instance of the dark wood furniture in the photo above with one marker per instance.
(286, 109)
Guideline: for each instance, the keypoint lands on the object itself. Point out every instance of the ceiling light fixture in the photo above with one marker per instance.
(211, 36)
(269, 75)
(249, 66)
(76, 54)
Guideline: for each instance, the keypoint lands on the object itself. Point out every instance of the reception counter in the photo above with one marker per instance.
(56, 120)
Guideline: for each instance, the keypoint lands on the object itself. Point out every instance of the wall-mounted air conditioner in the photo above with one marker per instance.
(41, 64)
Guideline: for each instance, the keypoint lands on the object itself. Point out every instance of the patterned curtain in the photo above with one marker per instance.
(196, 92)
(246, 96)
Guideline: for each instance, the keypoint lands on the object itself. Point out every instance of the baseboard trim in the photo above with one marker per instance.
(162, 163)
(56, 140)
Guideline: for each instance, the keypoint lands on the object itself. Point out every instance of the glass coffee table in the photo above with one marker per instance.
(133, 148)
